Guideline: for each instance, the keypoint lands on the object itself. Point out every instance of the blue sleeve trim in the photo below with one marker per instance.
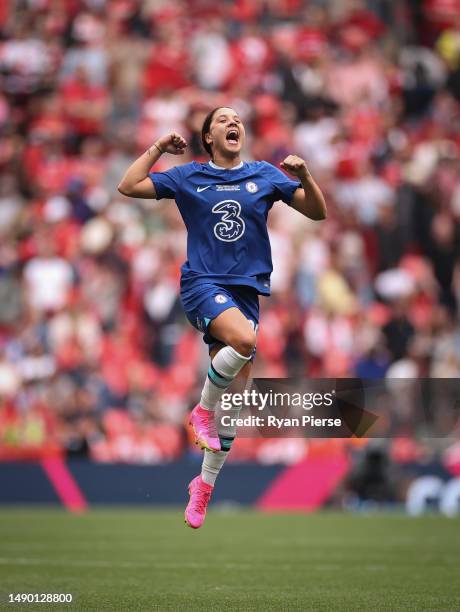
(285, 188)
(156, 187)
(166, 183)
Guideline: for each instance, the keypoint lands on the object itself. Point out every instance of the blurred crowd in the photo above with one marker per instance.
(95, 353)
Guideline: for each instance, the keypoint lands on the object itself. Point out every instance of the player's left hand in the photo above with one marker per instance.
(295, 165)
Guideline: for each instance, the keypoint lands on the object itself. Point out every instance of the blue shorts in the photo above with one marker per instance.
(204, 301)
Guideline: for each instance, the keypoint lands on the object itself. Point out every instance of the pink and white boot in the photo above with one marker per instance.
(200, 494)
(206, 435)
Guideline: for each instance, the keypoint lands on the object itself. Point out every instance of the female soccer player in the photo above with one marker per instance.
(224, 204)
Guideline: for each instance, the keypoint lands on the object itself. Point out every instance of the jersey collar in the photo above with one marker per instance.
(216, 167)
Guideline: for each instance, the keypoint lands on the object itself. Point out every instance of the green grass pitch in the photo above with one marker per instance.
(149, 560)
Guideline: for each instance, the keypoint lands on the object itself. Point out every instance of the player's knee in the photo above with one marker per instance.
(244, 342)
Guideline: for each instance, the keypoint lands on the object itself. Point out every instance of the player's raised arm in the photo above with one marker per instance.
(136, 182)
(308, 200)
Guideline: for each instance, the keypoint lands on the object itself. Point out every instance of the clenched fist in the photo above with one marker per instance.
(295, 165)
(172, 143)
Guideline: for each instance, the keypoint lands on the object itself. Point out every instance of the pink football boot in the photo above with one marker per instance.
(204, 427)
(200, 494)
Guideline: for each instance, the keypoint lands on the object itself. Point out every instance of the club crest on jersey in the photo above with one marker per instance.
(251, 187)
(220, 299)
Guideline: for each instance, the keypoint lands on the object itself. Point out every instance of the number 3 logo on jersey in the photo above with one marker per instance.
(231, 226)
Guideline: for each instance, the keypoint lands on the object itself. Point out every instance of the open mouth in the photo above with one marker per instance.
(232, 136)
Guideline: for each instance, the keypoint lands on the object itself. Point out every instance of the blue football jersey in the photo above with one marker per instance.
(225, 212)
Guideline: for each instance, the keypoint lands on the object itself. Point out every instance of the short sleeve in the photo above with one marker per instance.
(283, 186)
(166, 183)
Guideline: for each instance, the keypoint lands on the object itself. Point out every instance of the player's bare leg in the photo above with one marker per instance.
(238, 338)
(201, 487)
(213, 462)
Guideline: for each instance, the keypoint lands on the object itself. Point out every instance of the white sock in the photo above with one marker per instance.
(213, 462)
(223, 369)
